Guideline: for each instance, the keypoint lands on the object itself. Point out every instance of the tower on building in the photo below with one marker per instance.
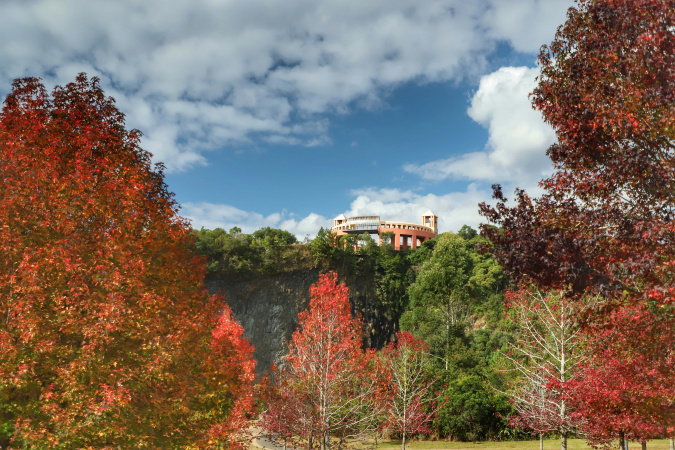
(431, 220)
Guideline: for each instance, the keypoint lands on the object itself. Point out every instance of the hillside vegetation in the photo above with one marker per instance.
(446, 292)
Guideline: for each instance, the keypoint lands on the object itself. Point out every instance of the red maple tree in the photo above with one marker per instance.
(628, 388)
(289, 418)
(105, 339)
(328, 385)
(230, 369)
(605, 222)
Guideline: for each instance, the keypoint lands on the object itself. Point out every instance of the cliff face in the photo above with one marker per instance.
(267, 307)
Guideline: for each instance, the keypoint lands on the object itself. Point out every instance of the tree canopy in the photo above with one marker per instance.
(328, 386)
(240, 255)
(604, 224)
(106, 336)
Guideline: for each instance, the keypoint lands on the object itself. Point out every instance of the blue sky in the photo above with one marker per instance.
(288, 113)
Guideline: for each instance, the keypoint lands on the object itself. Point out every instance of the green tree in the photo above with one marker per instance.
(324, 245)
(467, 233)
(271, 237)
(487, 283)
(366, 243)
(392, 280)
(472, 411)
(387, 238)
(457, 285)
(442, 289)
(228, 252)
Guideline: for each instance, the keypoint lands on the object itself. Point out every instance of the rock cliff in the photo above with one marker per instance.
(267, 306)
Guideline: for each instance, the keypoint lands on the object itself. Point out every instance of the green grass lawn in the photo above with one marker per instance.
(549, 444)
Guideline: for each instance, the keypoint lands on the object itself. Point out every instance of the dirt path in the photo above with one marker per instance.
(260, 440)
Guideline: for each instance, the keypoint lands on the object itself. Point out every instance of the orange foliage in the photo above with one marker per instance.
(329, 387)
(104, 319)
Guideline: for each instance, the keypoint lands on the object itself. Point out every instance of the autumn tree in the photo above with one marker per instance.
(604, 224)
(410, 400)
(289, 418)
(328, 386)
(546, 355)
(106, 338)
(225, 384)
(622, 382)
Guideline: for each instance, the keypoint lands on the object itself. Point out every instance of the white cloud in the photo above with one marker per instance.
(453, 209)
(518, 136)
(385, 195)
(211, 215)
(291, 140)
(197, 75)
(307, 226)
(526, 24)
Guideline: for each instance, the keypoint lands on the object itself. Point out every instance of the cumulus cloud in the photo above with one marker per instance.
(518, 136)
(198, 75)
(454, 209)
(508, 20)
(212, 215)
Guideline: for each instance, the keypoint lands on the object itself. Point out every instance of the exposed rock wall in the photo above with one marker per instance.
(268, 306)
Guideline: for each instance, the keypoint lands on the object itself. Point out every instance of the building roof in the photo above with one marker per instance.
(429, 213)
(341, 217)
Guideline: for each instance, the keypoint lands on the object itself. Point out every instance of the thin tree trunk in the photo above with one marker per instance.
(403, 442)
(644, 445)
(541, 441)
(563, 441)
(621, 440)
(672, 444)
(328, 435)
(447, 335)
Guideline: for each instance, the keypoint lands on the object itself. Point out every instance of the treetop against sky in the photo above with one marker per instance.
(288, 115)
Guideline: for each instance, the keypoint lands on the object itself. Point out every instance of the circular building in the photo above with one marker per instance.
(405, 235)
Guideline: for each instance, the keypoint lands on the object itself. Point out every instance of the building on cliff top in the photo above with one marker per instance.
(406, 235)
